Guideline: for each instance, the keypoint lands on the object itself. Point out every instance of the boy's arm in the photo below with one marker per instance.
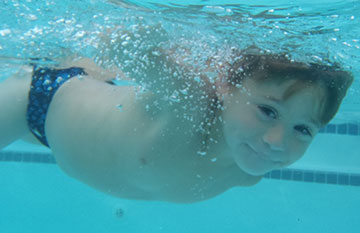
(13, 104)
(144, 54)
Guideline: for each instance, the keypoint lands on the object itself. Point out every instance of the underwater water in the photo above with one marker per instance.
(318, 193)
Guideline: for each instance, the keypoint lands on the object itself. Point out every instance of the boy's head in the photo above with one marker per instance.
(278, 69)
(274, 107)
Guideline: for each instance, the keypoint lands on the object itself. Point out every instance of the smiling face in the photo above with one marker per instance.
(263, 130)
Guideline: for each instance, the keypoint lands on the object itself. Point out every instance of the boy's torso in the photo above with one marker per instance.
(115, 141)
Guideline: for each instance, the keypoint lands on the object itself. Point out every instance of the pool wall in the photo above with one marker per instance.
(311, 196)
(333, 158)
(41, 198)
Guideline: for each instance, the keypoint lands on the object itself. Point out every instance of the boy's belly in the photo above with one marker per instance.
(128, 154)
(140, 168)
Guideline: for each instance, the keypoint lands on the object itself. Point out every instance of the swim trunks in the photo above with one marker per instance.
(44, 83)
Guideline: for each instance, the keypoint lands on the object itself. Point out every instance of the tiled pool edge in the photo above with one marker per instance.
(302, 175)
(27, 157)
(352, 129)
(314, 176)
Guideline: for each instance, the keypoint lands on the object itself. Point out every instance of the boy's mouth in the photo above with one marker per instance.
(262, 156)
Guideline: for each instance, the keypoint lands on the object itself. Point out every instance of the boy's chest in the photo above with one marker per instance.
(174, 170)
(168, 162)
(178, 177)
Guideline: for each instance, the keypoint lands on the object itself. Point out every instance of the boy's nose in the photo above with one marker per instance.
(275, 138)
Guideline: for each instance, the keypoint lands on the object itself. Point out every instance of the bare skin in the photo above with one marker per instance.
(109, 138)
(130, 153)
(13, 102)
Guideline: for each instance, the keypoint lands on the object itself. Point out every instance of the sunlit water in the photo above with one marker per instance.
(307, 31)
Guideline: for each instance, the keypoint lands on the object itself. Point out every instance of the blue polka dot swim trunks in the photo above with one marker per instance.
(45, 82)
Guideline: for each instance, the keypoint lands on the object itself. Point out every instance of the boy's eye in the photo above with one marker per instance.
(304, 130)
(268, 111)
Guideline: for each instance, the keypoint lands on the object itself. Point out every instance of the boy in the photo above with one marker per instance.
(211, 135)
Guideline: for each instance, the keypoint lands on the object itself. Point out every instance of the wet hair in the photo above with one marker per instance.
(329, 80)
(279, 68)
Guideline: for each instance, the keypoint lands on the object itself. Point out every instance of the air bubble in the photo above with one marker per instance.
(197, 79)
(32, 17)
(175, 97)
(201, 153)
(79, 34)
(184, 92)
(155, 53)
(5, 32)
(120, 107)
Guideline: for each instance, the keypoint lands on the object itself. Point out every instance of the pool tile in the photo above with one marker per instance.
(320, 177)
(9, 156)
(348, 129)
(331, 128)
(331, 178)
(17, 157)
(353, 129)
(46, 158)
(341, 128)
(27, 158)
(36, 158)
(343, 179)
(275, 174)
(309, 176)
(298, 175)
(355, 180)
(43, 158)
(286, 174)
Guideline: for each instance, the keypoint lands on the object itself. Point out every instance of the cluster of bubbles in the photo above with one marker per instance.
(198, 38)
(180, 72)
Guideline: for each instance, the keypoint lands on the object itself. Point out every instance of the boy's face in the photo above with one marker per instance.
(265, 132)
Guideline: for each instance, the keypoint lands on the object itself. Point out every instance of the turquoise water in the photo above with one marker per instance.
(325, 30)
(38, 197)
